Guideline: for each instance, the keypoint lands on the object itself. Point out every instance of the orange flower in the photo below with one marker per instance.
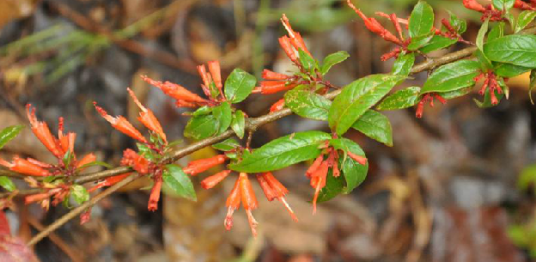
(249, 201)
(155, 194)
(318, 181)
(215, 179)
(374, 26)
(110, 181)
(120, 123)
(137, 162)
(232, 204)
(215, 72)
(25, 167)
(271, 75)
(195, 167)
(359, 159)
(284, 42)
(147, 118)
(272, 87)
(277, 105)
(89, 158)
(272, 189)
(42, 132)
(176, 91)
(295, 37)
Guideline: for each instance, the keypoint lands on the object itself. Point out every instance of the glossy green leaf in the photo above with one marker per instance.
(401, 99)
(524, 19)
(204, 110)
(503, 4)
(8, 133)
(403, 64)
(227, 145)
(357, 97)
(308, 104)
(332, 60)
(481, 34)
(177, 180)
(283, 152)
(514, 49)
(79, 194)
(458, 24)
(509, 70)
(457, 93)
(420, 41)
(421, 20)
(239, 123)
(334, 187)
(239, 85)
(376, 126)
(354, 173)
(7, 184)
(437, 42)
(223, 114)
(485, 64)
(452, 76)
(308, 63)
(96, 163)
(146, 152)
(496, 32)
(200, 127)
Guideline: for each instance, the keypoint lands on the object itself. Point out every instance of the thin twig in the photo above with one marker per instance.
(78, 210)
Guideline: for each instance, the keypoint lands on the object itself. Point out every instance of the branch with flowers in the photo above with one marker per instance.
(338, 165)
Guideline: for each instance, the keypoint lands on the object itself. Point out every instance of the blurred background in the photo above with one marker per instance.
(457, 185)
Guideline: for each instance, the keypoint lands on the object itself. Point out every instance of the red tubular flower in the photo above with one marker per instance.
(277, 105)
(85, 216)
(232, 203)
(272, 87)
(202, 70)
(271, 75)
(284, 42)
(359, 159)
(40, 197)
(89, 158)
(121, 123)
(474, 5)
(318, 181)
(67, 142)
(374, 26)
(314, 166)
(147, 118)
(137, 162)
(197, 166)
(428, 98)
(249, 201)
(25, 167)
(155, 195)
(215, 179)
(176, 91)
(272, 188)
(394, 53)
(182, 103)
(110, 181)
(295, 38)
(42, 132)
(215, 72)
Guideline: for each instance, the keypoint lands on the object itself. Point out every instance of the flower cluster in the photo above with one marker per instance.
(490, 83)
(62, 147)
(491, 13)
(144, 164)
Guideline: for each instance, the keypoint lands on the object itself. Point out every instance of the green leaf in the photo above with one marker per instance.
(8, 133)
(421, 20)
(524, 19)
(457, 93)
(437, 42)
(334, 187)
(403, 64)
(353, 172)
(7, 184)
(514, 49)
(481, 34)
(420, 41)
(357, 97)
(67, 158)
(239, 123)
(458, 24)
(401, 99)
(332, 60)
(224, 115)
(527, 178)
(503, 4)
(452, 77)
(485, 63)
(509, 70)
(204, 110)
(532, 84)
(79, 194)
(283, 152)
(96, 163)
(227, 145)
(308, 104)
(239, 85)
(200, 127)
(486, 103)
(496, 32)
(146, 152)
(177, 180)
(376, 126)
(308, 63)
